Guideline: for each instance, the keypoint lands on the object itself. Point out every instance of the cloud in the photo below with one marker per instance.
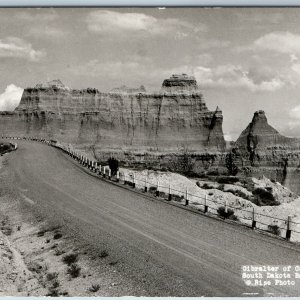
(11, 97)
(16, 47)
(111, 22)
(231, 76)
(280, 42)
(295, 112)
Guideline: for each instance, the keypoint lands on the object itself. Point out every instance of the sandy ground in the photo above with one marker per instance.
(32, 251)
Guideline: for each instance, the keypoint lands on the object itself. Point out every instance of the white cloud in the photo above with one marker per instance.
(111, 22)
(279, 41)
(16, 47)
(233, 76)
(295, 112)
(10, 98)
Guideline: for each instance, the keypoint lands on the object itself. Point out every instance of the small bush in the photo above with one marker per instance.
(103, 254)
(226, 215)
(70, 258)
(238, 193)
(58, 252)
(227, 179)
(51, 276)
(274, 229)
(113, 165)
(57, 235)
(52, 292)
(94, 288)
(41, 233)
(74, 270)
(264, 197)
(206, 186)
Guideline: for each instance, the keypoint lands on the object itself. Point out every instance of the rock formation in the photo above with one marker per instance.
(264, 151)
(133, 120)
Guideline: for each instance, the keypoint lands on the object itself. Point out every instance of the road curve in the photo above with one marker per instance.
(168, 250)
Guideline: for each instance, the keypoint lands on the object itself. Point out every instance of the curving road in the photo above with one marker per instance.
(167, 250)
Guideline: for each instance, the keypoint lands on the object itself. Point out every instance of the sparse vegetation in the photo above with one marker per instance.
(58, 252)
(51, 276)
(74, 270)
(94, 288)
(57, 235)
(230, 164)
(238, 193)
(229, 214)
(227, 180)
(70, 258)
(183, 163)
(274, 229)
(113, 165)
(103, 254)
(263, 197)
(206, 186)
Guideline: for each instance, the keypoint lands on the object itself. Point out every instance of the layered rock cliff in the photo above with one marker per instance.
(262, 150)
(133, 120)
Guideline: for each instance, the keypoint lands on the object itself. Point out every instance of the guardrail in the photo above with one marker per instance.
(252, 218)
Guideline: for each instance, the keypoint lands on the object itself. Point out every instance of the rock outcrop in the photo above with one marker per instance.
(180, 83)
(264, 151)
(135, 120)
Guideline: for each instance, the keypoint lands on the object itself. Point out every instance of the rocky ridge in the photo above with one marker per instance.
(122, 120)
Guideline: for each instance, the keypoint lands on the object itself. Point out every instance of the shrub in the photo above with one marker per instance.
(103, 254)
(238, 193)
(226, 215)
(264, 197)
(205, 186)
(94, 288)
(74, 270)
(57, 235)
(227, 180)
(113, 165)
(51, 276)
(70, 258)
(52, 292)
(274, 229)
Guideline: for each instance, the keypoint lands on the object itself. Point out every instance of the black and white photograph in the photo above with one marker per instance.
(150, 151)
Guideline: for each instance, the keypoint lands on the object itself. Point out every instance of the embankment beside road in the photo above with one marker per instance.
(41, 257)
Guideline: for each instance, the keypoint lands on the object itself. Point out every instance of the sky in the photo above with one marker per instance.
(244, 59)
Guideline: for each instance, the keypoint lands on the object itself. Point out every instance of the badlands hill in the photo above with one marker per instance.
(262, 150)
(124, 119)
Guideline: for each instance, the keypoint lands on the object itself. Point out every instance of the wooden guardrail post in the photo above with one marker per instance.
(288, 228)
(170, 193)
(118, 176)
(109, 173)
(186, 197)
(205, 205)
(253, 218)
(133, 180)
(157, 189)
(146, 184)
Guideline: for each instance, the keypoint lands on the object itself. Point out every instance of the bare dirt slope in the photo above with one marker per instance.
(159, 249)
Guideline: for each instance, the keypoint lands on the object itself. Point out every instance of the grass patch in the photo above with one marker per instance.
(228, 180)
(274, 229)
(70, 258)
(74, 270)
(263, 197)
(103, 254)
(229, 214)
(94, 288)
